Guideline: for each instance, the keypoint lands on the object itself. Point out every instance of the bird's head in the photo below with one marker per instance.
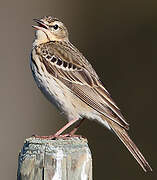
(49, 29)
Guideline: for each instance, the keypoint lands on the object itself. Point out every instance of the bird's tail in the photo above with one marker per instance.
(124, 137)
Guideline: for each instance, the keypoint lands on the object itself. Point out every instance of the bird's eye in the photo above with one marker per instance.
(55, 27)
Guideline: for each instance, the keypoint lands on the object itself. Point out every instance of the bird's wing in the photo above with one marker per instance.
(77, 77)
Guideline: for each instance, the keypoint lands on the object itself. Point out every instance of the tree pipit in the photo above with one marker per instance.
(69, 82)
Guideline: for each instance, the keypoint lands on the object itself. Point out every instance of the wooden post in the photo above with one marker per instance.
(68, 159)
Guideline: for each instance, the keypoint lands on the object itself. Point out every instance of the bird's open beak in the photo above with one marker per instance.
(41, 25)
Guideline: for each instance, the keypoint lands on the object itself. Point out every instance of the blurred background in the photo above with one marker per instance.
(119, 38)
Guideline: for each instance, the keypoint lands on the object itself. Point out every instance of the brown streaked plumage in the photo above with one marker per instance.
(68, 80)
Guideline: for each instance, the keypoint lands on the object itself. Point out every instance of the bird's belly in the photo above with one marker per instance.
(55, 92)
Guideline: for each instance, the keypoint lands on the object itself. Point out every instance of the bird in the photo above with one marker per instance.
(68, 81)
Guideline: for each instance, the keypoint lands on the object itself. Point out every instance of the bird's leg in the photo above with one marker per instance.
(76, 128)
(72, 133)
(58, 133)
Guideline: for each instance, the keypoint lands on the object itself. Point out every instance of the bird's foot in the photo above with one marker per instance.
(44, 137)
(62, 136)
(67, 136)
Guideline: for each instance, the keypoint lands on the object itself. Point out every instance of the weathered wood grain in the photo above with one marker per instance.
(59, 159)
